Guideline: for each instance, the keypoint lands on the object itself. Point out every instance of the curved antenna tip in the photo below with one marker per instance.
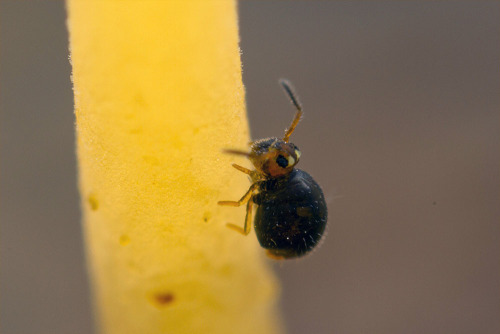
(295, 101)
(288, 87)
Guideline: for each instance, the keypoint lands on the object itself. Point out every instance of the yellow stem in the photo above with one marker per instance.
(158, 95)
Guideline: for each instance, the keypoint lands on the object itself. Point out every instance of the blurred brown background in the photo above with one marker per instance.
(402, 131)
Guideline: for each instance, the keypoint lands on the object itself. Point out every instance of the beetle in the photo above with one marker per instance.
(291, 213)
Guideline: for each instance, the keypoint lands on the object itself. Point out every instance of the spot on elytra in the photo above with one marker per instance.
(92, 200)
(304, 211)
(124, 240)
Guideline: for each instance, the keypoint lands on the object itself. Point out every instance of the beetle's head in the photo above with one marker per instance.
(274, 157)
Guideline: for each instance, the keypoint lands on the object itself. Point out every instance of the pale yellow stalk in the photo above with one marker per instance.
(158, 95)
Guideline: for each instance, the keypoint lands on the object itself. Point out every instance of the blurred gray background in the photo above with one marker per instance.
(401, 129)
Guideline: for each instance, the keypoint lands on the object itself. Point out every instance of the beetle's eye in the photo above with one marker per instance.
(282, 161)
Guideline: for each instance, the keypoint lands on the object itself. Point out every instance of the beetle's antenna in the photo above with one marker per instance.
(293, 97)
(237, 152)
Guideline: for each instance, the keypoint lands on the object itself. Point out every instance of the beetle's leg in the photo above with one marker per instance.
(247, 198)
(248, 221)
(242, 169)
(254, 175)
(243, 200)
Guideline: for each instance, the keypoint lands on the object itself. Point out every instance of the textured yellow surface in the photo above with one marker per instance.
(158, 95)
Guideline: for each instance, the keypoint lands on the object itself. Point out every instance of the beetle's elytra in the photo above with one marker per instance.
(291, 215)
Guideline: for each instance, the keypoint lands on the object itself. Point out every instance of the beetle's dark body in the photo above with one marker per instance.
(291, 216)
